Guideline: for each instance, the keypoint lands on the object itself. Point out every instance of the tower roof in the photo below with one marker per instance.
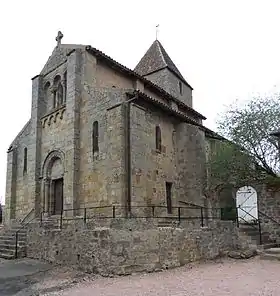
(155, 59)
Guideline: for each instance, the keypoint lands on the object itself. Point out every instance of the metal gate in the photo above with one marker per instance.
(247, 204)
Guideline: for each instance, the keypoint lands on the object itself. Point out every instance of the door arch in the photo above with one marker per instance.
(53, 172)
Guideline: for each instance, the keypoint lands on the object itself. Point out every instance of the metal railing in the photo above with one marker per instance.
(178, 213)
(253, 225)
(23, 225)
(27, 216)
(269, 218)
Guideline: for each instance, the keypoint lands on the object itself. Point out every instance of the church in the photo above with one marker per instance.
(101, 134)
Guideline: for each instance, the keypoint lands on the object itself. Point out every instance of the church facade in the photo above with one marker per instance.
(101, 134)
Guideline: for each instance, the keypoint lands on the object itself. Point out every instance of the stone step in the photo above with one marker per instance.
(11, 244)
(267, 256)
(14, 231)
(12, 239)
(7, 251)
(252, 233)
(12, 235)
(246, 226)
(269, 245)
(167, 224)
(7, 256)
(273, 251)
(10, 253)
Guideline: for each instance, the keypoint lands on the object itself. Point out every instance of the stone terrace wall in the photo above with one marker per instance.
(129, 246)
(269, 204)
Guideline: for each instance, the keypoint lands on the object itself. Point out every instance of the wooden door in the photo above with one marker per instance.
(58, 196)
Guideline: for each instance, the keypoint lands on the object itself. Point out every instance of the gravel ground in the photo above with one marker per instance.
(228, 277)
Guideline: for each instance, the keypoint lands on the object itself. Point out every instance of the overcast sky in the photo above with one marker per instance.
(226, 49)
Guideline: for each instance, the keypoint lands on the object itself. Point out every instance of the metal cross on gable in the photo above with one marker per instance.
(59, 37)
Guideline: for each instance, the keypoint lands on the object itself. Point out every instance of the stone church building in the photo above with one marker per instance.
(101, 134)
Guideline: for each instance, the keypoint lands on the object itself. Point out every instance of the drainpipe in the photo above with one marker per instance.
(127, 151)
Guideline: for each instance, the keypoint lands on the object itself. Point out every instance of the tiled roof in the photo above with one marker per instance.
(155, 59)
(211, 134)
(166, 108)
(148, 83)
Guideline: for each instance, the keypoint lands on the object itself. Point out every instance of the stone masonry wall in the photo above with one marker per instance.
(191, 163)
(269, 205)
(17, 201)
(170, 83)
(102, 173)
(151, 168)
(129, 246)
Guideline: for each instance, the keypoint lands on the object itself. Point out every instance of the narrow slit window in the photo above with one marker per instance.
(158, 138)
(168, 188)
(180, 88)
(25, 160)
(95, 147)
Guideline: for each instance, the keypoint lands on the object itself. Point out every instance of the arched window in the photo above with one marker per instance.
(95, 147)
(47, 96)
(180, 87)
(158, 138)
(65, 85)
(56, 94)
(46, 90)
(25, 160)
(60, 97)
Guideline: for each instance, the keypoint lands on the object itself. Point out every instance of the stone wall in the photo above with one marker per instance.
(127, 246)
(170, 83)
(191, 163)
(18, 201)
(269, 207)
(151, 168)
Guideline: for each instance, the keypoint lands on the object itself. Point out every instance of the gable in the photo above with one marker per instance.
(58, 57)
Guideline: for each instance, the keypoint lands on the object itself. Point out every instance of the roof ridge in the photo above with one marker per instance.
(160, 50)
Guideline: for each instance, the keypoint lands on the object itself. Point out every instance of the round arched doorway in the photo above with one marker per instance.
(53, 183)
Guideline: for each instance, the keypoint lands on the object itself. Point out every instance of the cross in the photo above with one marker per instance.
(157, 26)
(59, 37)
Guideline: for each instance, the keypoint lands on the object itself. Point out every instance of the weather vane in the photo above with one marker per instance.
(157, 28)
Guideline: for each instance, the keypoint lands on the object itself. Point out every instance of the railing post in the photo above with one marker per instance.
(16, 250)
(237, 221)
(153, 211)
(41, 219)
(201, 216)
(260, 231)
(85, 215)
(61, 213)
(114, 211)
(179, 214)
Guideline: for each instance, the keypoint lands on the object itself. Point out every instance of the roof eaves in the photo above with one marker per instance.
(275, 133)
(211, 134)
(166, 108)
(150, 84)
(171, 70)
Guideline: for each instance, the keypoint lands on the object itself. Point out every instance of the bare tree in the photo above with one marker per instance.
(250, 127)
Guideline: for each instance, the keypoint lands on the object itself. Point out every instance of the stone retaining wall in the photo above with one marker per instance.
(269, 205)
(129, 245)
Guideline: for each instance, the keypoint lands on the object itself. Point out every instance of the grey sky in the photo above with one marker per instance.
(225, 49)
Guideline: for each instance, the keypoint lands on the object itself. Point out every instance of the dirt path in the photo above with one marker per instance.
(221, 278)
(235, 278)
